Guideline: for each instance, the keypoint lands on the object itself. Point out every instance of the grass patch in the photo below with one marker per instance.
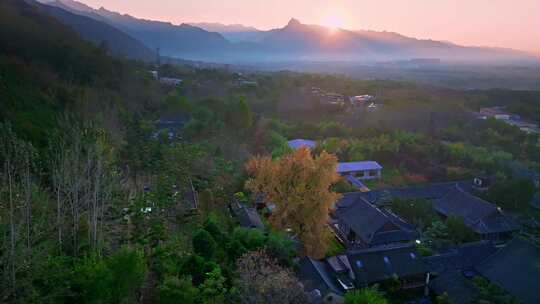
(335, 248)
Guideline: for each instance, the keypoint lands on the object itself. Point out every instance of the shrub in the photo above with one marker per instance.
(204, 244)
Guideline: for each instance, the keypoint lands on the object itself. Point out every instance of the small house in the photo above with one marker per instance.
(401, 265)
(170, 81)
(319, 282)
(327, 280)
(362, 100)
(334, 98)
(482, 182)
(171, 124)
(359, 224)
(452, 271)
(296, 144)
(363, 170)
(484, 218)
(248, 217)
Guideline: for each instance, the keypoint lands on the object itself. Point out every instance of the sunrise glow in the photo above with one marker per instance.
(333, 22)
(501, 23)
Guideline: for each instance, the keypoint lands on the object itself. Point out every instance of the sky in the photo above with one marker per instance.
(497, 23)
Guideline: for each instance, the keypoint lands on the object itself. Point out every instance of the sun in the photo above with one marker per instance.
(333, 22)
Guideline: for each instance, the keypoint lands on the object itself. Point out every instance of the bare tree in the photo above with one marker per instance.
(84, 178)
(16, 157)
(263, 281)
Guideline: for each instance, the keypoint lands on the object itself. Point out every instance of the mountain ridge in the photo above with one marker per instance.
(116, 41)
(295, 41)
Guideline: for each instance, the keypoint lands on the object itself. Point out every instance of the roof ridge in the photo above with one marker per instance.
(322, 273)
(376, 249)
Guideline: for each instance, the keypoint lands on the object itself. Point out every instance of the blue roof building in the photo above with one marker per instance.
(360, 169)
(296, 144)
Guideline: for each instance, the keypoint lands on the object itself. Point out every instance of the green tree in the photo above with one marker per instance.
(177, 104)
(212, 225)
(419, 212)
(251, 239)
(176, 290)
(204, 244)
(437, 235)
(458, 231)
(491, 293)
(197, 267)
(443, 299)
(92, 280)
(365, 296)
(239, 114)
(128, 270)
(213, 289)
(513, 195)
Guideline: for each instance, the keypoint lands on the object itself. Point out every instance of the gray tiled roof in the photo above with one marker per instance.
(461, 257)
(367, 221)
(471, 208)
(516, 268)
(428, 191)
(316, 275)
(483, 217)
(460, 289)
(376, 265)
(247, 216)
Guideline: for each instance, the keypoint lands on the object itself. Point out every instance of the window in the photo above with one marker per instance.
(386, 260)
(359, 264)
(413, 256)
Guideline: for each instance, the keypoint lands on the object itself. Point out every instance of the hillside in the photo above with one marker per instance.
(119, 187)
(47, 68)
(100, 33)
(173, 40)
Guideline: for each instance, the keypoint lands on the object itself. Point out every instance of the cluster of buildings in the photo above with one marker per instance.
(353, 172)
(414, 63)
(170, 124)
(169, 81)
(367, 101)
(241, 80)
(381, 247)
(328, 97)
(362, 100)
(501, 114)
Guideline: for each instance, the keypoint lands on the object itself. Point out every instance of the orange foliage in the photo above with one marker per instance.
(299, 185)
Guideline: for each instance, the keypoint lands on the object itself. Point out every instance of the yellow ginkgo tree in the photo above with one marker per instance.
(299, 186)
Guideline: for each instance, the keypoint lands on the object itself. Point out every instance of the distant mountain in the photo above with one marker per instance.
(233, 32)
(78, 6)
(116, 41)
(296, 41)
(224, 28)
(184, 40)
(314, 42)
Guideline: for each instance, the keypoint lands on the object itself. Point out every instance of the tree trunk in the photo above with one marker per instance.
(28, 202)
(12, 227)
